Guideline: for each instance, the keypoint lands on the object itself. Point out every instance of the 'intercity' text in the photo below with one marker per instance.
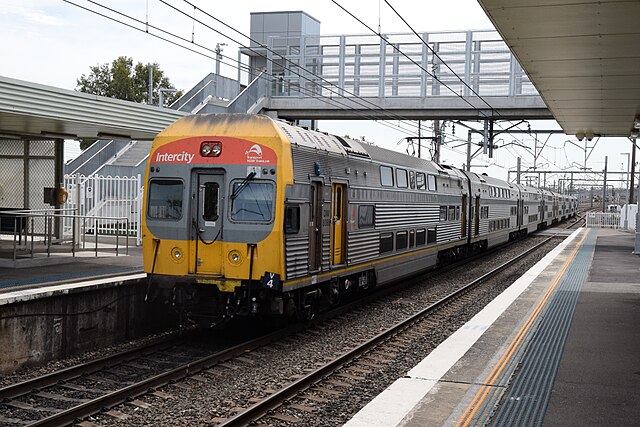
(183, 157)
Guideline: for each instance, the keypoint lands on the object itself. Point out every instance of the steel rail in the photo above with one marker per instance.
(275, 400)
(134, 390)
(72, 372)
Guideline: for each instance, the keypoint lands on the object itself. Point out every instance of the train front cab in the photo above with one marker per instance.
(212, 231)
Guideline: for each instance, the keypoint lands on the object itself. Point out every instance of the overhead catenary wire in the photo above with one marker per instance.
(493, 110)
(393, 46)
(331, 101)
(328, 100)
(338, 91)
(287, 60)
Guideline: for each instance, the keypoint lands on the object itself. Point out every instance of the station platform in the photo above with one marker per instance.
(560, 346)
(44, 278)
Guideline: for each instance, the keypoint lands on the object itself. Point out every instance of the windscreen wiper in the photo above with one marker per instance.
(242, 185)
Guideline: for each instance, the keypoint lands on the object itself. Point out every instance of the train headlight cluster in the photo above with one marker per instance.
(210, 149)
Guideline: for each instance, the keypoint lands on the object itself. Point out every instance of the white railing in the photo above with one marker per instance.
(104, 198)
(28, 240)
(603, 220)
(400, 65)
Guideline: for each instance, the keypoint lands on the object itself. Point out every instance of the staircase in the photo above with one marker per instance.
(130, 161)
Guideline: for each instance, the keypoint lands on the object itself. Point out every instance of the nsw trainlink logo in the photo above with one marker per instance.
(255, 150)
(254, 154)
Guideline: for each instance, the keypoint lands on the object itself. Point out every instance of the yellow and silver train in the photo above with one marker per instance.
(247, 215)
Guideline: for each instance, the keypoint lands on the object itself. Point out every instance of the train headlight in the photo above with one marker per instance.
(235, 257)
(177, 255)
(211, 149)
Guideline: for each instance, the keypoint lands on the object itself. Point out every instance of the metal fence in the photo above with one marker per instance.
(603, 220)
(27, 241)
(106, 198)
(401, 65)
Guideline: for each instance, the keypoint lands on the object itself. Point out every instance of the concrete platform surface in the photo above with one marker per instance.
(74, 270)
(588, 287)
(598, 380)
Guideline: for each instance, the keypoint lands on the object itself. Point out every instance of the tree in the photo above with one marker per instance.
(122, 80)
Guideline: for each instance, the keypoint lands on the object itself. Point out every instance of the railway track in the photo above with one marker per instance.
(79, 392)
(62, 397)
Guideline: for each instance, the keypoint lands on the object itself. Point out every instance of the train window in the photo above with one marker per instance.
(210, 208)
(484, 212)
(443, 213)
(401, 178)
(386, 242)
(452, 213)
(386, 176)
(412, 238)
(412, 179)
(421, 237)
(431, 235)
(338, 203)
(431, 181)
(421, 181)
(401, 240)
(365, 216)
(291, 219)
(254, 203)
(457, 212)
(165, 199)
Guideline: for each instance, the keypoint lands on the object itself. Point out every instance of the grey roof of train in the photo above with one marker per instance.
(384, 155)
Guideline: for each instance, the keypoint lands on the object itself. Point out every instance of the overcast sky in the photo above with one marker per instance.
(53, 42)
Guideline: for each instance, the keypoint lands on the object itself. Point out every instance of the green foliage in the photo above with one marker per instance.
(122, 80)
(86, 143)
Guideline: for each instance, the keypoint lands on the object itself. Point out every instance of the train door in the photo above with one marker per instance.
(521, 216)
(519, 208)
(315, 226)
(476, 219)
(464, 216)
(338, 223)
(206, 223)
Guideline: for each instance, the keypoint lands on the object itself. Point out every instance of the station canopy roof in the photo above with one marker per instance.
(32, 110)
(582, 56)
